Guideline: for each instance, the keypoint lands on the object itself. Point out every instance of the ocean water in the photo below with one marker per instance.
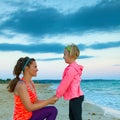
(102, 92)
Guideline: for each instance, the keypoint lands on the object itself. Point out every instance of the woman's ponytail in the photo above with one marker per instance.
(17, 71)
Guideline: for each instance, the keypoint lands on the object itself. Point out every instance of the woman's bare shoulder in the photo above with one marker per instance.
(20, 85)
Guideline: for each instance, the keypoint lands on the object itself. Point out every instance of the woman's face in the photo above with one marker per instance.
(33, 69)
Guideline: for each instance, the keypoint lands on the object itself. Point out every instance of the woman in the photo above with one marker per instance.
(26, 104)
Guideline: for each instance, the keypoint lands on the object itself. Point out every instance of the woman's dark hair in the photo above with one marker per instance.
(19, 67)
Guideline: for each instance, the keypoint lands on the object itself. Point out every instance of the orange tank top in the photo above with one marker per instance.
(20, 112)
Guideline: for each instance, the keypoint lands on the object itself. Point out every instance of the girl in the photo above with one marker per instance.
(69, 87)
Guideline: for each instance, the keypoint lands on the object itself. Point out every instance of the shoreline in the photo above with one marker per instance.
(91, 111)
(102, 113)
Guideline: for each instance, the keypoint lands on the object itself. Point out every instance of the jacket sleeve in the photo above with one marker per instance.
(65, 82)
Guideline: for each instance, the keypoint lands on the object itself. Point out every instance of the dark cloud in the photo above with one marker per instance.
(54, 47)
(40, 22)
(85, 56)
(104, 16)
(33, 48)
(48, 21)
(98, 46)
(36, 48)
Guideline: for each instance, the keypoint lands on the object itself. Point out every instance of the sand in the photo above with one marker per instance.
(90, 110)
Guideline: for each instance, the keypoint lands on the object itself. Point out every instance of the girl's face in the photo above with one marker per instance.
(33, 69)
(66, 56)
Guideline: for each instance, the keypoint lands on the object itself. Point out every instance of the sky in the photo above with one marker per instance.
(41, 29)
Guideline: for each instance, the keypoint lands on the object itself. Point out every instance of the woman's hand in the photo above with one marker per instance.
(53, 99)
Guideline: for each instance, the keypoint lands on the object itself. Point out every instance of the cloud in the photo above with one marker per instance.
(49, 59)
(85, 56)
(33, 48)
(98, 46)
(54, 47)
(49, 21)
(104, 16)
(116, 65)
(52, 59)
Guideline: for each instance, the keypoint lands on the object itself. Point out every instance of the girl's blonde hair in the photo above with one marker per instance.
(73, 51)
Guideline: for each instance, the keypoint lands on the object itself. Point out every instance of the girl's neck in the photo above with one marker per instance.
(71, 61)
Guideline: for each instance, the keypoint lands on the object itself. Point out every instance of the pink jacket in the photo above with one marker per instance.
(69, 86)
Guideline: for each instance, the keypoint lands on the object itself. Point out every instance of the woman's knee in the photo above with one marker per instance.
(54, 109)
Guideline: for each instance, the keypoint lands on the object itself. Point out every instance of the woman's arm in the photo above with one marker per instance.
(23, 93)
(54, 97)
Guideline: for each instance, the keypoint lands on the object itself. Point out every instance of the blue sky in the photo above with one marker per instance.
(42, 28)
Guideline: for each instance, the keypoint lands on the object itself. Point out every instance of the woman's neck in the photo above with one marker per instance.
(27, 78)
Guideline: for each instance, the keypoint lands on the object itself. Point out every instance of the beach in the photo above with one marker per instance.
(91, 111)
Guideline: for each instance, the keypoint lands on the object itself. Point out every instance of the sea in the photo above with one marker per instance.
(105, 93)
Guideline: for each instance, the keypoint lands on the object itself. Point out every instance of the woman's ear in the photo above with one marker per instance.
(26, 68)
